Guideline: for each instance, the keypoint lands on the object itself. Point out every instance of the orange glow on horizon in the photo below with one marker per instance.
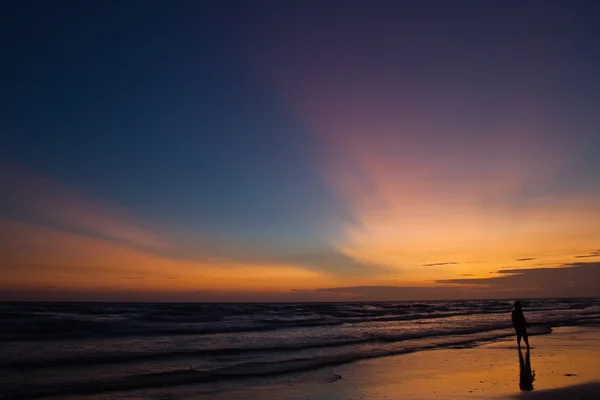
(429, 195)
(417, 232)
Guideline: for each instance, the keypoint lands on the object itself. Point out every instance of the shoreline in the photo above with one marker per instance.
(564, 363)
(402, 371)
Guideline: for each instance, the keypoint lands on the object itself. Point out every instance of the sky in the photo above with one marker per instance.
(299, 151)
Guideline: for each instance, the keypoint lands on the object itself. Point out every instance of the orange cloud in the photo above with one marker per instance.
(41, 256)
(67, 242)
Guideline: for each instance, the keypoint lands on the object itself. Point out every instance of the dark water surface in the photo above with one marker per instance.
(80, 349)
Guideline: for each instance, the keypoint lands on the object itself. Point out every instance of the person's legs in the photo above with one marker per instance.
(519, 339)
(526, 339)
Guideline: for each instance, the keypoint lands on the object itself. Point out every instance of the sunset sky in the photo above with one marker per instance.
(299, 150)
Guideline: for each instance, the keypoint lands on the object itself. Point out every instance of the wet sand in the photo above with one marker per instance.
(565, 363)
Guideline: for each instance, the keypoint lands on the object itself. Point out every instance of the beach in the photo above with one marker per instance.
(297, 351)
(566, 365)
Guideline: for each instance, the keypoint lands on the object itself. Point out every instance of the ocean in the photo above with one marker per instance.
(90, 350)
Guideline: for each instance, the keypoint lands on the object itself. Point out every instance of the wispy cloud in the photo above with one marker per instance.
(50, 203)
(525, 259)
(440, 263)
(46, 203)
(53, 235)
(41, 256)
(592, 254)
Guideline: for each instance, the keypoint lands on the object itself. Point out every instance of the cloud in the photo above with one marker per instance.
(50, 203)
(581, 279)
(50, 233)
(102, 250)
(592, 254)
(439, 263)
(41, 201)
(578, 279)
(39, 255)
(525, 259)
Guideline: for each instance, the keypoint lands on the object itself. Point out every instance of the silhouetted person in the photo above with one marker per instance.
(520, 324)
(526, 376)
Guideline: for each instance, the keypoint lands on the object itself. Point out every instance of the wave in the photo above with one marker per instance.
(116, 358)
(239, 371)
(64, 321)
(118, 347)
(41, 329)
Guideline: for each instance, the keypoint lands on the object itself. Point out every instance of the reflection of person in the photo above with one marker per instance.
(520, 324)
(526, 376)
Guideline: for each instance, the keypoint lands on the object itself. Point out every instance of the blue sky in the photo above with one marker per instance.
(157, 109)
